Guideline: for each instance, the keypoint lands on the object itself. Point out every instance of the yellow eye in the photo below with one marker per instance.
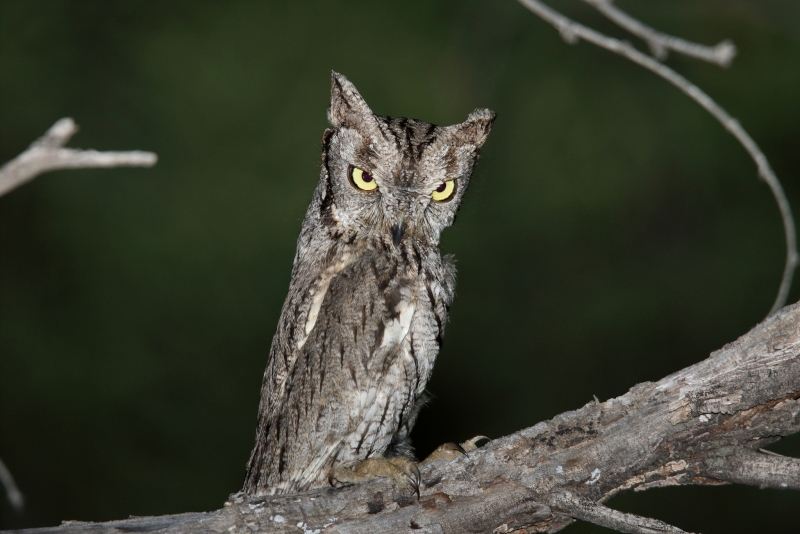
(362, 179)
(444, 192)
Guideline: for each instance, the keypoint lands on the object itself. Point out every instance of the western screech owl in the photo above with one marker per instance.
(369, 295)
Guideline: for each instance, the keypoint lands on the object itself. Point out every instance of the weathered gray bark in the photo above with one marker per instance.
(705, 424)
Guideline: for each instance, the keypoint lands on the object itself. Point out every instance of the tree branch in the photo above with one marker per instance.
(701, 425)
(660, 43)
(47, 154)
(763, 469)
(588, 510)
(572, 32)
(13, 493)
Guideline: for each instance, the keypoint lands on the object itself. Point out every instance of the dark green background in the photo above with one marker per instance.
(614, 233)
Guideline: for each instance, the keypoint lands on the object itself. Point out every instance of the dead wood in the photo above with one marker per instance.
(705, 424)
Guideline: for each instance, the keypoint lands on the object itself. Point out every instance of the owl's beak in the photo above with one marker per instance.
(397, 232)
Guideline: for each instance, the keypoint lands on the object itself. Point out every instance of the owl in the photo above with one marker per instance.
(368, 299)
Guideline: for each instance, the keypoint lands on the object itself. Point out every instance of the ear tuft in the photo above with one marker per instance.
(476, 128)
(348, 108)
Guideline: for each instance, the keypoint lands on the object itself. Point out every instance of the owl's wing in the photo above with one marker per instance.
(298, 319)
(354, 372)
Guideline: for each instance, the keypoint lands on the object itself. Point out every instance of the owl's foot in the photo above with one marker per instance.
(399, 468)
(402, 470)
(448, 452)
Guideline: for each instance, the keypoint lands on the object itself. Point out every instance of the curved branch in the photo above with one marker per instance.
(572, 31)
(47, 154)
(701, 425)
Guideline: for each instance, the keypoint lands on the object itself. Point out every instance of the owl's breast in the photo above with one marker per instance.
(380, 314)
(366, 308)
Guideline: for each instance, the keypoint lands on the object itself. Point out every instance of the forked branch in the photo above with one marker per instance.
(47, 154)
(572, 32)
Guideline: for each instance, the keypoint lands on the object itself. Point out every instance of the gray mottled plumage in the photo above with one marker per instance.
(368, 299)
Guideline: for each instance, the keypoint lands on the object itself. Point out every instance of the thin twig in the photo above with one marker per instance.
(595, 513)
(15, 496)
(660, 43)
(772, 453)
(747, 466)
(47, 154)
(572, 31)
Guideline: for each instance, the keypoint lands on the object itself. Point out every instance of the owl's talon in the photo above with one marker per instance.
(402, 470)
(447, 452)
(472, 443)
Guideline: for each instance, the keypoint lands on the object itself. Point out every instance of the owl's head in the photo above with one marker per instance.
(393, 180)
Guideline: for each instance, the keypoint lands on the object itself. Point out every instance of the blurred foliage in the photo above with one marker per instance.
(613, 234)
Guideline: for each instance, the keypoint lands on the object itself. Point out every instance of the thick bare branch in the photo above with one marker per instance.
(660, 43)
(701, 425)
(572, 32)
(47, 154)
